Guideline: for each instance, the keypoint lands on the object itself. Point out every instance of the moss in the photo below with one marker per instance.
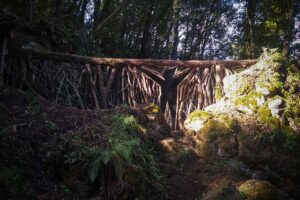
(196, 121)
(200, 114)
(218, 92)
(265, 117)
(245, 87)
(273, 85)
(257, 190)
(249, 100)
(152, 109)
(125, 124)
(211, 124)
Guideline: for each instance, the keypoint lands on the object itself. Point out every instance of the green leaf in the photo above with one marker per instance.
(126, 149)
(118, 165)
(94, 168)
(106, 156)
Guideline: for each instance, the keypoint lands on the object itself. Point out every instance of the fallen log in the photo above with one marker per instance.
(120, 62)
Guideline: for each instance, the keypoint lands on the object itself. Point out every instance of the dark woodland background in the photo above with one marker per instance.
(177, 29)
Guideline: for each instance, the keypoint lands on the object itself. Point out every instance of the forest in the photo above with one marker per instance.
(150, 99)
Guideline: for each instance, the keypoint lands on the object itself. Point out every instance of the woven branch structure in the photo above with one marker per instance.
(178, 87)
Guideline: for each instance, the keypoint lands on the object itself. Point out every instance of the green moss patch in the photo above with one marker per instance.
(258, 190)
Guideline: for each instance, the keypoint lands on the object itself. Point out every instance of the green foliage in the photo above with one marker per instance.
(123, 161)
(185, 155)
(118, 155)
(124, 124)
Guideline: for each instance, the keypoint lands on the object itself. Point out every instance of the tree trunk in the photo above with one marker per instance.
(144, 53)
(175, 33)
(97, 4)
(289, 28)
(251, 8)
(82, 11)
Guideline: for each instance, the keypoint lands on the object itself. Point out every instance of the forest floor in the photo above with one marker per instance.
(28, 124)
(31, 123)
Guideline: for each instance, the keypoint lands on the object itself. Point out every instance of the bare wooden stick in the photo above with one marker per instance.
(93, 86)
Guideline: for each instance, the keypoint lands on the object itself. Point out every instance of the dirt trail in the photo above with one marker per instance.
(189, 176)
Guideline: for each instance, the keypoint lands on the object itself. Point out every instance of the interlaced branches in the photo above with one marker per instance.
(197, 90)
(101, 83)
(139, 87)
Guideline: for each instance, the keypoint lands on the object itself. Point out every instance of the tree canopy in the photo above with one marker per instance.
(176, 29)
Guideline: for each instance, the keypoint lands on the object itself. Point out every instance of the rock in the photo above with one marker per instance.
(260, 100)
(258, 117)
(195, 124)
(213, 134)
(260, 175)
(223, 191)
(238, 167)
(259, 190)
(196, 120)
(262, 90)
(274, 105)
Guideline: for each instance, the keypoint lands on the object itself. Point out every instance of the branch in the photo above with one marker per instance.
(122, 62)
(115, 12)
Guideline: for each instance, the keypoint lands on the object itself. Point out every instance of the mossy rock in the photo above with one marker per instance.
(224, 190)
(213, 134)
(205, 123)
(258, 190)
(266, 118)
(199, 114)
(196, 120)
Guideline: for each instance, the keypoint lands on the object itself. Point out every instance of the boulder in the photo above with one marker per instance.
(256, 122)
(259, 190)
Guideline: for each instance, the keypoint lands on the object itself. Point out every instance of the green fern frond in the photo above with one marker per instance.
(126, 149)
(119, 165)
(94, 167)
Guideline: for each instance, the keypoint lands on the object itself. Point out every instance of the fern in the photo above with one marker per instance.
(123, 152)
(118, 155)
(94, 168)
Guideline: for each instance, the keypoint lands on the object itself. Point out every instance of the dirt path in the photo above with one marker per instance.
(189, 176)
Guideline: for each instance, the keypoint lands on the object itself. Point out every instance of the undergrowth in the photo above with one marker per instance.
(125, 168)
